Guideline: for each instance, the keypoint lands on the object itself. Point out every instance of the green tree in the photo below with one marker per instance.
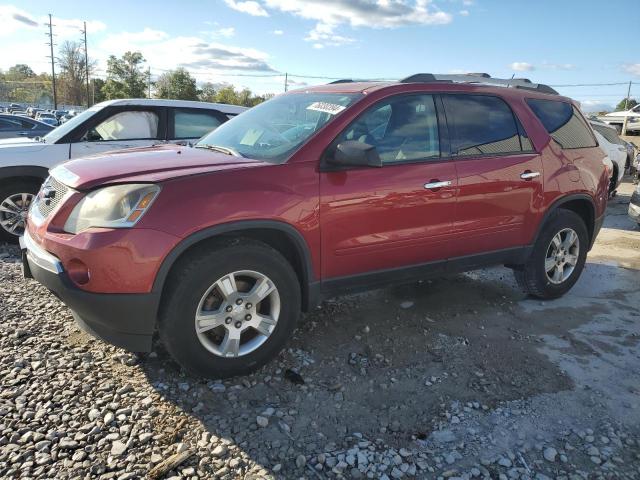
(207, 93)
(621, 106)
(20, 72)
(95, 90)
(125, 77)
(176, 84)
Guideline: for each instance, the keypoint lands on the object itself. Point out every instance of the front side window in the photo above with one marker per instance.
(134, 125)
(563, 122)
(275, 129)
(482, 125)
(402, 129)
(8, 125)
(189, 123)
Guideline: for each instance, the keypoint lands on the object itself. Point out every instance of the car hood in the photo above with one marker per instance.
(147, 164)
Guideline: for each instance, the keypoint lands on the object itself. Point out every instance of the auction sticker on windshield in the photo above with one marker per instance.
(330, 108)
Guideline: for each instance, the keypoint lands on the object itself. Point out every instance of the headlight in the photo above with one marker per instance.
(120, 206)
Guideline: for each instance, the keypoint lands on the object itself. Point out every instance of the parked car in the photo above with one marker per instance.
(317, 192)
(111, 125)
(634, 205)
(616, 119)
(48, 118)
(12, 126)
(615, 148)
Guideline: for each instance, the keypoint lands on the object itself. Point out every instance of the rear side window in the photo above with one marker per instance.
(563, 122)
(6, 124)
(191, 123)
(609, 134)
(482, 125)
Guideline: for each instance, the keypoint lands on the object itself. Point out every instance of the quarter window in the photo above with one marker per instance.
(563, 122)
(133, 125)
(482, 125)
(402, 129)
(194, 123)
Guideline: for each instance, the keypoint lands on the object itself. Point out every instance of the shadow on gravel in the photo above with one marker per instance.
(389, 363)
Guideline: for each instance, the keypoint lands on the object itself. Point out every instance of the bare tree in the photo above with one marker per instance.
(72, 73)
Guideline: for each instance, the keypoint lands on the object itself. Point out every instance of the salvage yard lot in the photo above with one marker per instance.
(454, 377)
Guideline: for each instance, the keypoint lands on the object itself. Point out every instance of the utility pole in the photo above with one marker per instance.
(626, 100)
(53, 68)
(149, 81)
(286, 81)
(86, 62)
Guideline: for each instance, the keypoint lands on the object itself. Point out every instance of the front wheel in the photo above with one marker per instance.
(15, 200)
(558, 256)
(229, 309)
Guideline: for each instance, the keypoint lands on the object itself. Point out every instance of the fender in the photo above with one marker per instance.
(310, 287)
(24, 171)
(558, 203)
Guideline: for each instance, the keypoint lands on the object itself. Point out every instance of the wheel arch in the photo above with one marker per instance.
(580, 203)
(26, 172)
(283, 237)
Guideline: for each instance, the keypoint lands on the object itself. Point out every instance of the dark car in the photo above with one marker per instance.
(12, 126)
(314, 193)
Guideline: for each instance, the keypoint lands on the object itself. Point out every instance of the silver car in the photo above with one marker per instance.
(16, 126)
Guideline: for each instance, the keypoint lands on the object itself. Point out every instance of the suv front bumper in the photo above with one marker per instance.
(125, 320)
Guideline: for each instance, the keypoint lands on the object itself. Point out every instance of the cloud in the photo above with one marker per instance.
(127, 38)
(24, 19)
(464, 13)
(632, 68)
(250, 6)
(223, 57)
(278, 32)
(330, 14)
(594, 106)
(522, 67)
(558, 66)
(225, 32)
(14, 19)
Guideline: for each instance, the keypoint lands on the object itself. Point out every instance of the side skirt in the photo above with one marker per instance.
(383, 278)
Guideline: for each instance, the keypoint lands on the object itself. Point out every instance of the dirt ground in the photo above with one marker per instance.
(458, 377)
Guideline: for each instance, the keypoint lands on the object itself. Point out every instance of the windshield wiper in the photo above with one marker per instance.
(218, 148)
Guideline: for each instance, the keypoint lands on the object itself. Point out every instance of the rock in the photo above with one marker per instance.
(262, 421)
(550, 454)
(405, 305)
(301, 461)
(118, 448)
(505, 462)
(219, 451)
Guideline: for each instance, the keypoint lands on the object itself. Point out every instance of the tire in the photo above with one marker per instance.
(532, 276)
(8, 193)
(186, 293)
(614, 180)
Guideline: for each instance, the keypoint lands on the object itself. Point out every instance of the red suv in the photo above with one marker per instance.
(317, 192)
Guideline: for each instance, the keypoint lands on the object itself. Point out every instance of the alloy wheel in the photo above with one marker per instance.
(562, 256)
(237, 314)
(13, 212)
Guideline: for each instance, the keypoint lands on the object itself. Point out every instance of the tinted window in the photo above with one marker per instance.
(481, 125)
(194, 123)
(6, 124)
(401, 129)
(137, 125)
(608, 133)
(563, 122)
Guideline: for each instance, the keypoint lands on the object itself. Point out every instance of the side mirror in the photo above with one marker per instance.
(355, 154)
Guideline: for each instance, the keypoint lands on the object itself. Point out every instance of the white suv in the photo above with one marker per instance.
(111, 125)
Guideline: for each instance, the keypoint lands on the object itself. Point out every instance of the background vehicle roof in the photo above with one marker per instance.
(160, 102)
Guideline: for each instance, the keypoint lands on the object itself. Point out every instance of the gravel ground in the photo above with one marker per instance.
(460, 377)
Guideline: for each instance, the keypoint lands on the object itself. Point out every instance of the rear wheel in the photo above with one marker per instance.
(229, 309)
(15, 200)
(558, 256)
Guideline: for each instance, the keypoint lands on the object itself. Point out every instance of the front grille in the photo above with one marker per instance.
(50, 195)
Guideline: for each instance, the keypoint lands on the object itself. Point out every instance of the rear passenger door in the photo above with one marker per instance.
(190, 124)
(499, 174)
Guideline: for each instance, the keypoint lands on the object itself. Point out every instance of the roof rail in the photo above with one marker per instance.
(483, 78)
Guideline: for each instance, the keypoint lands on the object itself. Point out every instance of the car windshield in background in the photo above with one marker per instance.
(56, 134)
(275, 129)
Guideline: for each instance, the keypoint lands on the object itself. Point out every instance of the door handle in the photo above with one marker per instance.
(529, 175)
(435, 184)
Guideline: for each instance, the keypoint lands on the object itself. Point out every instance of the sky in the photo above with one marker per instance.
(253, 43)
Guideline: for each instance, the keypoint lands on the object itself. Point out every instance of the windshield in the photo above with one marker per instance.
(57, 133)
(274, 130)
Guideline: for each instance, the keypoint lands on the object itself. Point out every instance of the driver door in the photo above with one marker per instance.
(121, 128)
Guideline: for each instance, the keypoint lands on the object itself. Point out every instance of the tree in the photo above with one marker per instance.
(20, 72)
(177, 84)
(125, 77)
(228, 94)
(73, 73)
(621, 106)
(208, 92)
(95, 90)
